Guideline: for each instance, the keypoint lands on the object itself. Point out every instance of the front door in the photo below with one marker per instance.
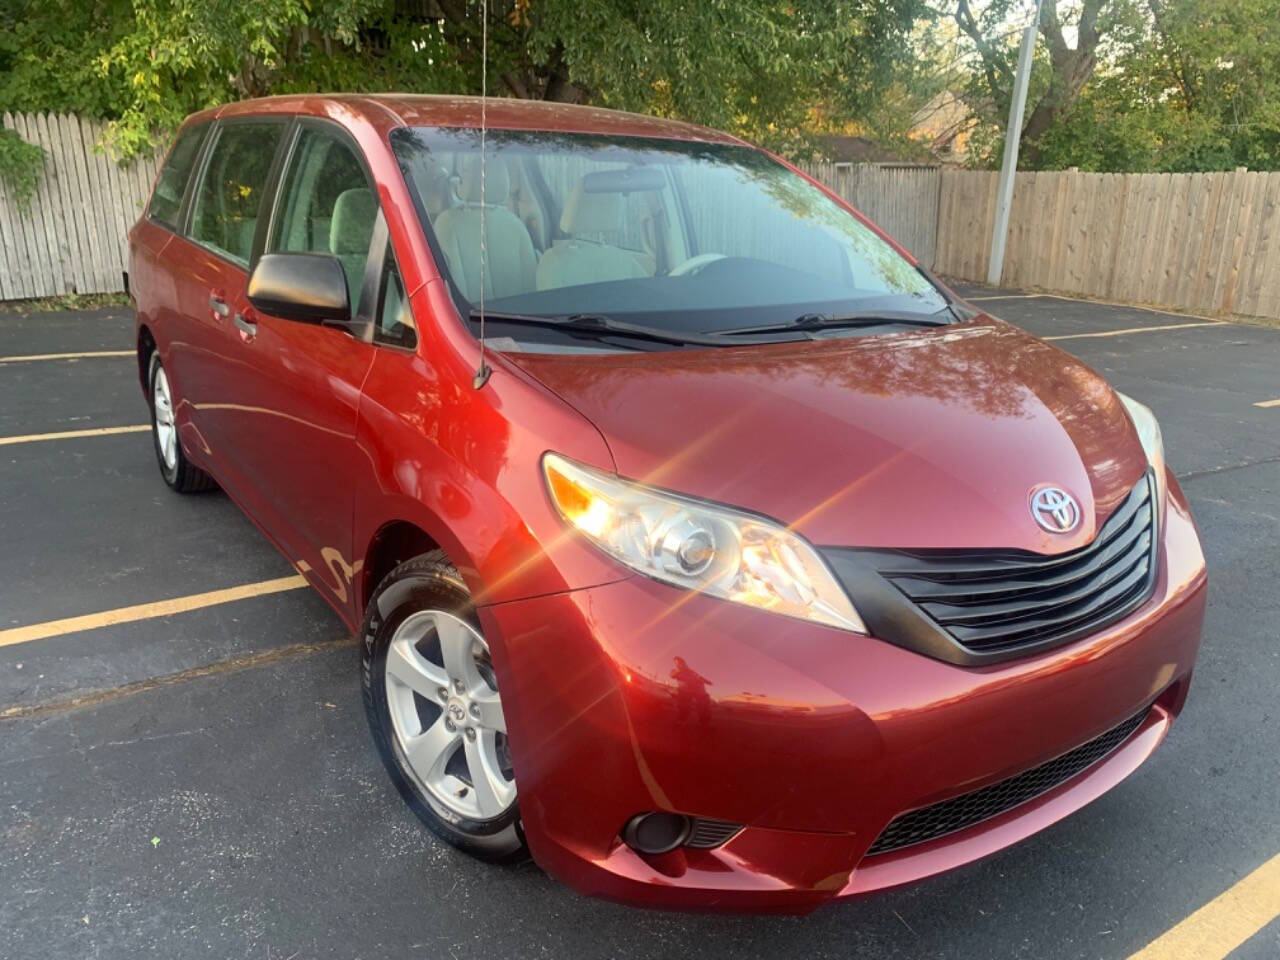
(294, 418)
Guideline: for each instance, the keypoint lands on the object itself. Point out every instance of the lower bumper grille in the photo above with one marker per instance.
(705, 834)
(966, 810)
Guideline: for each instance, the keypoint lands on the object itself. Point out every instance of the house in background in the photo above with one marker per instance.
(944, 124)
(941, 128)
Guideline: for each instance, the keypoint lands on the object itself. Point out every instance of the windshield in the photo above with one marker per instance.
(680, 236)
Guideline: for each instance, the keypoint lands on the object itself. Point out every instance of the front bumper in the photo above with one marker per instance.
(635, 696)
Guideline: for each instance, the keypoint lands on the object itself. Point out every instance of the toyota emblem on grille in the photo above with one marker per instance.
(1055, 509)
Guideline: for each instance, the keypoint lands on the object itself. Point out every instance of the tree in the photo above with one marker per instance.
(1061, 76)
(751, 66)
(1188, 85)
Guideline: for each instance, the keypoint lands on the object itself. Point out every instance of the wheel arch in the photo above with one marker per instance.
(392, 543)
(146, 346)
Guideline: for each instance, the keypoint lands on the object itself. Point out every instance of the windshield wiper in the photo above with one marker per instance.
(869, 318)
(600, 325)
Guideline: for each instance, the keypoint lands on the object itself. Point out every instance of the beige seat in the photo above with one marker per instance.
(350, 232)
(579, 260)
(510, 262)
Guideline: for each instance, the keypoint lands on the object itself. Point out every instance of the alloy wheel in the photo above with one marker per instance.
(447, 716)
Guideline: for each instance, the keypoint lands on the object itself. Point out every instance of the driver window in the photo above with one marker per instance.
(327, 206)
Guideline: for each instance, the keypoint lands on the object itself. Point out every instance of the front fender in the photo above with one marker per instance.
(464, 466)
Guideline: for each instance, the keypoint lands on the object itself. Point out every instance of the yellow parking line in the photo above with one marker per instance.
(73, 434)
(1268, 403)
(1007, 296)
(1128, 330)
(1224, 922)
(21, 358)
(146, 611)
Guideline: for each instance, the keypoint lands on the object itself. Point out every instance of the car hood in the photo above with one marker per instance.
(923, 439)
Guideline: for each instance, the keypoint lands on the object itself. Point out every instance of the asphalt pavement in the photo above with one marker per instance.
(202, 783)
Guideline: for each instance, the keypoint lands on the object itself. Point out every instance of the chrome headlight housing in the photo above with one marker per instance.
(699, 546)
(1144, 421)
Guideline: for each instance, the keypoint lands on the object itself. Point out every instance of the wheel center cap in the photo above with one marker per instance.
(457, 711)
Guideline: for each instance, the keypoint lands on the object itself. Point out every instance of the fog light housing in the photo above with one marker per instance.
(655, 832)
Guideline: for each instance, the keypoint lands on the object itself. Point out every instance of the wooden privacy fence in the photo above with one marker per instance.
(72, 237)
(901, 200)
(1205, 242)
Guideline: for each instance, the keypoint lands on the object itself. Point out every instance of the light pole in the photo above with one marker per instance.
(1013, 134)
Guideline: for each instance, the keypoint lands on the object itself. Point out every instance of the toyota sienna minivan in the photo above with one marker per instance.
(700, 544)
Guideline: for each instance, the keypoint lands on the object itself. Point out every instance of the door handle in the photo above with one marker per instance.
(247, 328)
(218, 305)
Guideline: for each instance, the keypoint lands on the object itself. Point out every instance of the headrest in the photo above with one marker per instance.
(497, 181)
(432, 181)
(587, 212)
(351, 228)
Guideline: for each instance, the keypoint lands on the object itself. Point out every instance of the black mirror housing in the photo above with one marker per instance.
(307, 287)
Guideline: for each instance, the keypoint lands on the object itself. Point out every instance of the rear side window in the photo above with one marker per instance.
(166, 200)
(228, 199)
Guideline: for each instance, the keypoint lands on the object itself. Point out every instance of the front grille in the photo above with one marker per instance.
(705, 834)
(1002, 600)
(948, 816)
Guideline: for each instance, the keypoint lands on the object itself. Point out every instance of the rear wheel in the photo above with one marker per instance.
(432, 700)
(177, 472)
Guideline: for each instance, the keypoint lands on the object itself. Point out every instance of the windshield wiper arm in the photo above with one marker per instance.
(600, 325)
(871, 318)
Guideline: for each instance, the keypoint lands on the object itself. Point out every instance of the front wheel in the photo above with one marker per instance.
(432, 700)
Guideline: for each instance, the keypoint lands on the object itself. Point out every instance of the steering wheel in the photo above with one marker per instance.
(695, 264)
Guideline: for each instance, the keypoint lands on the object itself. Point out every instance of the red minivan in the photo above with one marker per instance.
(700, 544)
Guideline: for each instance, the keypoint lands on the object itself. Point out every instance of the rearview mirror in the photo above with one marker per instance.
(309, 287)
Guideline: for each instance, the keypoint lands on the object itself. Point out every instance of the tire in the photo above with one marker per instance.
(435, 735)
(176, 470)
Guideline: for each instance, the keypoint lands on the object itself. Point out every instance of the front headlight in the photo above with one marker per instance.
(1144, 421)
(712, 549)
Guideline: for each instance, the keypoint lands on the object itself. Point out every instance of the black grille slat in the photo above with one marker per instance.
(1001, 600)
(1026, 585)
(982, 564)
(969, 809)
(1028, 603)
(1095, 613)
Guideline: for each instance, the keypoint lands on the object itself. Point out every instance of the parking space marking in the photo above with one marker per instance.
(1225, 922)
(74, 434)
(23, 358)
(147, 611)
(1093, 300)
(1129, 330)
(1267, 403)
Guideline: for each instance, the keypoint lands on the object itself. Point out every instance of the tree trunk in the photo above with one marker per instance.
(1071, 71)
(1072, 67)
(559, 87)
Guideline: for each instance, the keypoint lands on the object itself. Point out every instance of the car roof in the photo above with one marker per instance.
(386, 111)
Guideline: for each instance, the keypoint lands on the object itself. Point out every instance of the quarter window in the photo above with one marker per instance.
(327, 206)
(395, 320)
(229, 198)
(166, 199)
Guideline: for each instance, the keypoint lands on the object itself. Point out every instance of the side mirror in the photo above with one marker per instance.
(308, 287)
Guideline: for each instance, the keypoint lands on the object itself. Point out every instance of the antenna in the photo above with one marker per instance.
(483, 371)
